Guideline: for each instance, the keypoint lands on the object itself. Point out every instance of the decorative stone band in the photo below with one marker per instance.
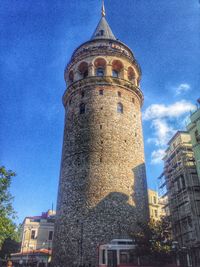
(106, 80)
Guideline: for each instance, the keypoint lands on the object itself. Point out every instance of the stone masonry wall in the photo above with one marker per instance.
(102, 190)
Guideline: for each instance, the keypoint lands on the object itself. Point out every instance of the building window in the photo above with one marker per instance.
(101, 92)
(154, 200)
(33, 234)
(82, 94)
(85, 74)
(83, 70)
(119, 108)
(101, 32)
(71, 77)
(133, 100)
(156, 213)
(131, 74)
(117, 69)
(115, 73)
(197, 136)
(183, 182)
(82, 108)
(100, 66)
(119, 94)
(103, 256)
(100, 72)
(50, 235)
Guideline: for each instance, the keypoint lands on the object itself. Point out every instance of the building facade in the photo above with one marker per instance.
(194, 130)
(157, 205)
(37, 232)
(102, 189)
(36, 240)
(183, 190)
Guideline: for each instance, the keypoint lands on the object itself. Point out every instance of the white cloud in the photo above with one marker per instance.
(175, 110)
(157, 156)
(165, 121)
(182, 88)
(163, 131)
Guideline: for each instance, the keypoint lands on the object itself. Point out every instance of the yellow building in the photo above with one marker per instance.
(37, 232)
(36, 240)
(156, 205)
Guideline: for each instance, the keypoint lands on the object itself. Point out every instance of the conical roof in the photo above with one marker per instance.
(103, 30)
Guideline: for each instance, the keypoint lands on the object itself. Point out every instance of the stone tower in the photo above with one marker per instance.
(102, 189)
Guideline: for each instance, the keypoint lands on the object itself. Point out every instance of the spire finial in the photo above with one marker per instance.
(103, 11)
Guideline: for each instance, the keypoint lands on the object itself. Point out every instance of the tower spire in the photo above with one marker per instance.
(103, 11)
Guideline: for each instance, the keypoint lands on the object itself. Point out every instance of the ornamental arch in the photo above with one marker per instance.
(117, 69)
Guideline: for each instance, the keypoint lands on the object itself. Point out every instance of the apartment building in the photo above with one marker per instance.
(183, 191)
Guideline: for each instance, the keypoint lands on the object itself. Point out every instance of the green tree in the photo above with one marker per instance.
(7, 213)
(161, 242)
(9, 246)
(154, 241)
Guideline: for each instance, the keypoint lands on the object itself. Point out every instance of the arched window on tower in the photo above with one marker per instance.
(71, 77)
(115, 73)
(83, 70)
(117, 69)
(119, 108)
(82, 108)
(100, 67)
(131, 74)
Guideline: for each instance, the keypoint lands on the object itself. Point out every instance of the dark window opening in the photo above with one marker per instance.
(71, 77)
(82, 108)
(115, 73)
(100, 72)
(119, 108)
(100, 126)
(82, 94)
(50, 235)
(101, 92)
(156, 213)
(119, 94)
(183, 181)
(101, 32)
(197, 136)
(133, 100)
(85, 74)
(33, 234)
(103, 256)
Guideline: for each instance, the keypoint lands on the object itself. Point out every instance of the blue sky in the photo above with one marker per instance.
(37, 40)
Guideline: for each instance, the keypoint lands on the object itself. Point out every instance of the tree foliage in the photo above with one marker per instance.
(9, 246)
(7, 213)
(154, 240)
